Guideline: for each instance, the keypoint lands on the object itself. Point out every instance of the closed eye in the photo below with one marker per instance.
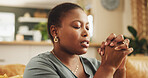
(77, 27)
(87, 27)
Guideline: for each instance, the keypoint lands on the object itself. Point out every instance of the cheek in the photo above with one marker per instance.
(69, 35)
(73, 35)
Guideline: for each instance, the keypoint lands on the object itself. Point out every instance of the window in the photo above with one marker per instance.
(7, 26)
(90, 20)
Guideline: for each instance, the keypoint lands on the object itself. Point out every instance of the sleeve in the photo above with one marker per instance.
(98, 63)
(40, 68)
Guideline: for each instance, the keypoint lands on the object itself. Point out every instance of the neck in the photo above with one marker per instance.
(66, 57)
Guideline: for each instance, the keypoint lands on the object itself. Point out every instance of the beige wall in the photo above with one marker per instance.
(107, 22)
(127, 17)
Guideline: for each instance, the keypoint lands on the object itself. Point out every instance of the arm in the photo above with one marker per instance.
(104, 72)
(121, 71)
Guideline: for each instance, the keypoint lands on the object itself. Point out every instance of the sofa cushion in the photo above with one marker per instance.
(137, 67)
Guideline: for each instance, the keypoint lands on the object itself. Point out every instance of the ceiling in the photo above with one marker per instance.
(44, 4)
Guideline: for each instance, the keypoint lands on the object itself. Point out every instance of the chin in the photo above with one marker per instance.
(81, 52)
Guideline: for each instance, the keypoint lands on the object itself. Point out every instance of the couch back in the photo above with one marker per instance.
(12, 69)
(137, 67)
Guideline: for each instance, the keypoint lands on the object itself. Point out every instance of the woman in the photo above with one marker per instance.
(68, 29)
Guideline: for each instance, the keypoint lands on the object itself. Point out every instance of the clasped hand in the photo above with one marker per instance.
(114, 51)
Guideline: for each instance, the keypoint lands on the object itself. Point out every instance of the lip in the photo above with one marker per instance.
(84, 43)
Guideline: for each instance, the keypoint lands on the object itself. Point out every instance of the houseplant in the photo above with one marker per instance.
(43, 29)
(140, 45)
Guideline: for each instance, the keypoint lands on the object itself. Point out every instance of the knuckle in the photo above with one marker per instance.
(103, 43)
(120, 35)
(107, 39)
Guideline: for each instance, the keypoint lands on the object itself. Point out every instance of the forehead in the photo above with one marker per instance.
(75, 14)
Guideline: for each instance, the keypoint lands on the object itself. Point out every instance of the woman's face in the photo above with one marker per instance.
(74, 33)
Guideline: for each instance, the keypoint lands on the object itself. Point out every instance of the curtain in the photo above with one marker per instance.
(140, 17)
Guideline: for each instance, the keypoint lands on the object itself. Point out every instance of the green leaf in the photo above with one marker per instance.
(132, 31)
(43, 29)
(143, 41)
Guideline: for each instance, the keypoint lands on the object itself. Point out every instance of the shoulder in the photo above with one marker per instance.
(40, 65)
(41, 59)
(92, 61)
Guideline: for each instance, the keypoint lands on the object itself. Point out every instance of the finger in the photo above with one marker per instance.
(122, 47)
(110, 38)
(118, 39)
(99, 50)
(102, 52)
(126, 41)
(103, 45)
(128, 51)
(102, 48)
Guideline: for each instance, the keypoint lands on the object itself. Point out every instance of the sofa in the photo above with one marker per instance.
(12, 71)
(137, 67)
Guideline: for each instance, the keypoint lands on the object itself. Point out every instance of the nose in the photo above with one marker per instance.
(85, 33)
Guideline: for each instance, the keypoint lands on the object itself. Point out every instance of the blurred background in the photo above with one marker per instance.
(23, 32)
(23, 23)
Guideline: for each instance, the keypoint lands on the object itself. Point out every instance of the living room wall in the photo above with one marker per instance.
(20, 12)
(107, 22)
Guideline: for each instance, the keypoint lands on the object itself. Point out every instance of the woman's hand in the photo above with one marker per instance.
(124, 46)
(114, 51)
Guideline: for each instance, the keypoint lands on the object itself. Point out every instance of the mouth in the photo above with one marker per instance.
(85, 43)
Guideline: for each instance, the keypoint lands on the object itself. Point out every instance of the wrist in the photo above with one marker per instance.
(108, 68)
(122, 68)
(105, 72)
(120, 73)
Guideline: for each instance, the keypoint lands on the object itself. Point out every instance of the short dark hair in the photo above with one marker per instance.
(56, 14)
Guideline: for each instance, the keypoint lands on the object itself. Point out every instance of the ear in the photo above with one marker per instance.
(53, 30)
